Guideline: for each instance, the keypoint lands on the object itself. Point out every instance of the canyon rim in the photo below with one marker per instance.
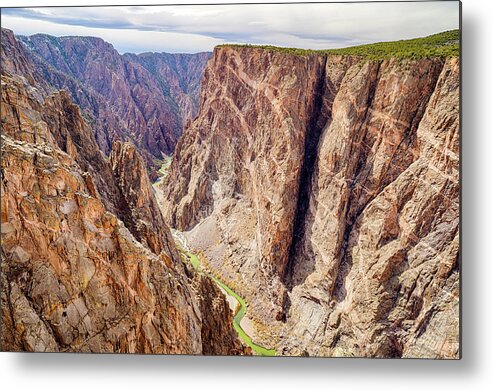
(232, 180)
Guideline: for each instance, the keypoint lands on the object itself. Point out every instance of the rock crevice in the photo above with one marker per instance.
(323, 179)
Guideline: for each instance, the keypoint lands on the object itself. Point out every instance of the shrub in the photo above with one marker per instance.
(443, 45)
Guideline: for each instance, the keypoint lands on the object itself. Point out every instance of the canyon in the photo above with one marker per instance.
(322, 187)
(146, 99)
(88, 264)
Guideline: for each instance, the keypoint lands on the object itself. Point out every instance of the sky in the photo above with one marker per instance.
(196, 28)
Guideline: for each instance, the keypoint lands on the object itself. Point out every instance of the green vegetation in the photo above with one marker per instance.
(443, 45)
(237, 320)
(194, 260)
(240, 312)
(164, 166)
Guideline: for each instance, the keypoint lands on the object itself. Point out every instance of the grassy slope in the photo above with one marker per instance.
(444, 44)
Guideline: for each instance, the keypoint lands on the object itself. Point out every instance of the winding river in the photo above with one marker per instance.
(195, 262)
(240, 313)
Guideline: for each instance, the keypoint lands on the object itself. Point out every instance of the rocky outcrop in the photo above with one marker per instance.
(381, 232)
(325, 188)
(122, 183)
(147, 223)
(73, 276)
(127, 101)
(239, 164)
(16, 59)
(218, 337)
(30, 116)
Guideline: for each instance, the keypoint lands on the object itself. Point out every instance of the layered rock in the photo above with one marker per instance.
(127, 100)
(325, 189)
(252, 124)
(28, 115)
(73, 277)
(377, 265)
(16, 59)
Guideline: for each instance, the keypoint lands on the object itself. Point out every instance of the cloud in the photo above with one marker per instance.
(124, 40)
(192, 28)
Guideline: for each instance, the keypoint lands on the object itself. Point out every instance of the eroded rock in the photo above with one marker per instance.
(325, 189)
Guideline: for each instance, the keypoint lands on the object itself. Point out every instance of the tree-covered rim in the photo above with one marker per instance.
(443, 45)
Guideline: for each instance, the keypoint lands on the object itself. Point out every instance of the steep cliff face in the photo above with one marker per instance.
(177, 74)
(252, 122)
(325, 187)
(16, 59)
(139, 110)
(381, 233)
(28, 115)
(73, 276)
(147, 223)
(145, 99)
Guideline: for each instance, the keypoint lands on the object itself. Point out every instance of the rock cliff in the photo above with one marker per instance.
(324, 187)
(16, 59)
(147, 223)
(145, 99)
(74, 277)
(31, 116)
(179, 75)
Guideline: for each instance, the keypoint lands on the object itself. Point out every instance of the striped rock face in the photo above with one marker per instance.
(146, 98)
(325, 188)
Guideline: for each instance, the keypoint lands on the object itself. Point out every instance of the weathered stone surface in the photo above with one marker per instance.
(325, 188)
(16, 59)
(218, 337)
(147, 223)
(252, 123)
(73, 277)
(179, 75)
(55, 120)
(379, 253)
(145, 99)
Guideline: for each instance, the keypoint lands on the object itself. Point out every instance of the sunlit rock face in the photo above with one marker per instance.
(81, 272)
(325, 189)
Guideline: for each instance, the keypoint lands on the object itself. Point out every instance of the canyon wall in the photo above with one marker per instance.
(178, 74)
(253, 114)
(145, 99)
(81, 271)
(325, 189)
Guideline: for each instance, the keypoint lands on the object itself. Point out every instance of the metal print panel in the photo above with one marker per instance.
(263, 179)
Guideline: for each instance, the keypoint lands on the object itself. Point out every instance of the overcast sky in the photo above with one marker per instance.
(195, 28)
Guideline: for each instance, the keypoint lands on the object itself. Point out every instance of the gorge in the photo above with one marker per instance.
(146, 99)
(320, 187)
